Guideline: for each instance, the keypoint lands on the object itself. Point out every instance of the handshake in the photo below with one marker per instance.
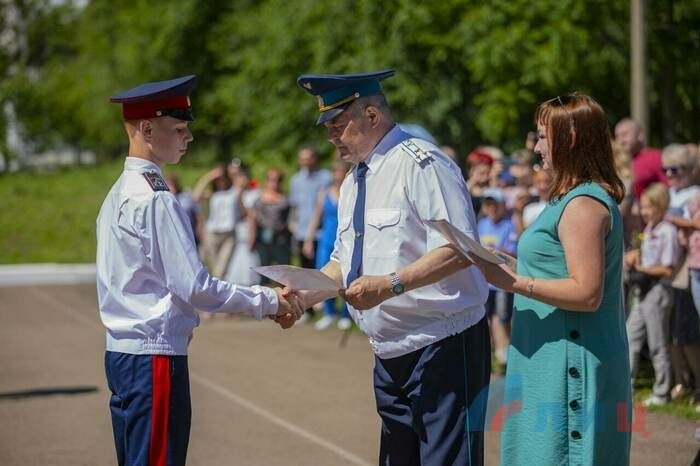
(364, 293)
(290, 309)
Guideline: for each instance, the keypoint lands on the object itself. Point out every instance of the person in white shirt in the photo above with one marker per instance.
(223, 215)
(244, 258)
(150, 279)
(407, 288)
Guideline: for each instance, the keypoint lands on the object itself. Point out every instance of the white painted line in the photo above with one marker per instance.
(252, 407)
(53, 303)
(46, 274)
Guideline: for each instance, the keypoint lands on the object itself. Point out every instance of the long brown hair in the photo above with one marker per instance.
(579, 143)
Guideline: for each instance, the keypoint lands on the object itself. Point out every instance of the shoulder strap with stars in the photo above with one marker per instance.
(412, 149)
(156, 182)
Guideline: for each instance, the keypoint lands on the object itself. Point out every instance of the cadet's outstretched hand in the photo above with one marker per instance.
(290, 308)
(368, 291)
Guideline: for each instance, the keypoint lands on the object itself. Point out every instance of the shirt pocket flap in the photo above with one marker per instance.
(381, 218)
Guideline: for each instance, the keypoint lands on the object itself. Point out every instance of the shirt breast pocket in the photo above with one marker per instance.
(345, 235)
(382, 234)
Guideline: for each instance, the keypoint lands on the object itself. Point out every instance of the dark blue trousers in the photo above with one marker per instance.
(432, 414)
(150, 407)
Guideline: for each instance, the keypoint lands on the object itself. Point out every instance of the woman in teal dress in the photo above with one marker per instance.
(567, 386)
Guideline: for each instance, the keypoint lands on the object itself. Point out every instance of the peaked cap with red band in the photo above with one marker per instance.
(157, 99)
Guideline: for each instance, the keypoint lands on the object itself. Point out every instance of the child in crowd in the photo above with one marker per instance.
(496, 230)
(650, 269)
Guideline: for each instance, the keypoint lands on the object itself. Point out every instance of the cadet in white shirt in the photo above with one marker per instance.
(414, 296)
(150, 280)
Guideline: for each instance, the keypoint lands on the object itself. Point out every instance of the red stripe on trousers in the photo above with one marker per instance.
(160, 410)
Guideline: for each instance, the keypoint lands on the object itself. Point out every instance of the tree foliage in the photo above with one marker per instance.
(471, 72)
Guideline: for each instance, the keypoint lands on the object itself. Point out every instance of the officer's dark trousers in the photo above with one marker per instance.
(432, 414)
(150, 406)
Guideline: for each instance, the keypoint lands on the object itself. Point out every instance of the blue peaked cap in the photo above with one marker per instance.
(335, 92)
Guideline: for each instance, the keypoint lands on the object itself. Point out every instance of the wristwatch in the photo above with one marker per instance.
(396, 286)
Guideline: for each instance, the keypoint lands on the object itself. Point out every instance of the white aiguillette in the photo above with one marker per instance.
(464, 242)
(298, 278)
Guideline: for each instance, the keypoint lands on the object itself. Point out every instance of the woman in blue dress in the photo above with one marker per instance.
(326, 216)
(568, 378)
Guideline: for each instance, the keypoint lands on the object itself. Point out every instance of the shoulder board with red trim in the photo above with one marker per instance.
(156, 181)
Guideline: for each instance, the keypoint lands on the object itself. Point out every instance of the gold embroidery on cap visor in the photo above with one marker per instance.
(322, 108)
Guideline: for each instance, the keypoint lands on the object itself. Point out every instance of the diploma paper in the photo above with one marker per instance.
(298, 278)
(464, 243)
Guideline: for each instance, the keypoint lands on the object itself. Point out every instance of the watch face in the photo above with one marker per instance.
(397, 289)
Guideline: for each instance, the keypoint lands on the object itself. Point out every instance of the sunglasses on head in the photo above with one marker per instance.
(562, 101)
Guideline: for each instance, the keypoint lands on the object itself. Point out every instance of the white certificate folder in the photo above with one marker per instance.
(464, 243)
(298, 278)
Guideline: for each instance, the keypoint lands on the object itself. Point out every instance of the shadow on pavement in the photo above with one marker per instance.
(49, 391)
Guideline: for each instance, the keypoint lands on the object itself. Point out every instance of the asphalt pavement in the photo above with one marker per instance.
(260, 395)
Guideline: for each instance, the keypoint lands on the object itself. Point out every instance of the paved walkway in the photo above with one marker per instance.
(260, 396)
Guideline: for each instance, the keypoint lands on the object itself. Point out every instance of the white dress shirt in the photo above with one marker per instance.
(402, 191)
(223, 211)
(149, 277)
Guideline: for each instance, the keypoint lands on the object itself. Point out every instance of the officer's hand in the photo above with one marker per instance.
(368, 291)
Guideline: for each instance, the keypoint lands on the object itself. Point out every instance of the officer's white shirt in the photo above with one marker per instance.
(409, 181)
(149, 277)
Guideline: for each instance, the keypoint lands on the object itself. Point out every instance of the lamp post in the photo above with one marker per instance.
(639, 97)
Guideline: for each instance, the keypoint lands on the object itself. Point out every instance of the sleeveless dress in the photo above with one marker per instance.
(567, 385)
(329, 227)
(243, 259)
(326, 242)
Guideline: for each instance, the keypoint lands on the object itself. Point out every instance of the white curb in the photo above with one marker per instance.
(46, 274)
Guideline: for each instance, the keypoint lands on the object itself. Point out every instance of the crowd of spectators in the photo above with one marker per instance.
(248, 225)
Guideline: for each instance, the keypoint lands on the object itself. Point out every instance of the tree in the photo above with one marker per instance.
(471, 72)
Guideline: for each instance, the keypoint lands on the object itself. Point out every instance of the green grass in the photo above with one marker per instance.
(680, 407)
(50, 217)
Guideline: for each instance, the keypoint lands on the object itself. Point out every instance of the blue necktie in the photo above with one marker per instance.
(358, 224)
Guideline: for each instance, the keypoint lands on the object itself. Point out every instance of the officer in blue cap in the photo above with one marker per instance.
(418, 300)
(150, 281)
(335, 92)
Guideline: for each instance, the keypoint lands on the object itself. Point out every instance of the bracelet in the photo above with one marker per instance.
(530, 286)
